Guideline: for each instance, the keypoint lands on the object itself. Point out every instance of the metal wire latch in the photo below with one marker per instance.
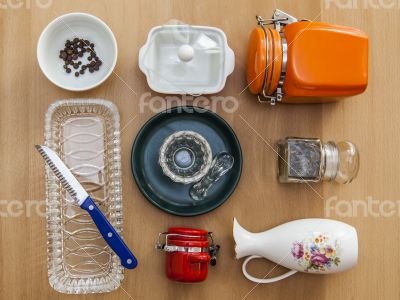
(279, 19)
(212, 249)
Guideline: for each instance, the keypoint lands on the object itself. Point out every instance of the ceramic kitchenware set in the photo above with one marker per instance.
(187, 160)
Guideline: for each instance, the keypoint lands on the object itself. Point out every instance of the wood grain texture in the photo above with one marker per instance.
(259, 203)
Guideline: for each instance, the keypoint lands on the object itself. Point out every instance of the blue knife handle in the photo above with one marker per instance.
(113, 239)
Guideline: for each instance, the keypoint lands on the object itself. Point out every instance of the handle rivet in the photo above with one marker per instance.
(129, 261)
(109, 234)
(91, 207)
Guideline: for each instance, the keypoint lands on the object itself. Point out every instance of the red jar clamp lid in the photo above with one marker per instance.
(184, 233)
(183, 239)
(188, 237)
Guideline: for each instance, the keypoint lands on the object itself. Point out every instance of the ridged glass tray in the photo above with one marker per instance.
(85, 134)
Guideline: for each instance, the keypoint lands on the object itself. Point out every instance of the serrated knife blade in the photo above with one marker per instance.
(67, 179)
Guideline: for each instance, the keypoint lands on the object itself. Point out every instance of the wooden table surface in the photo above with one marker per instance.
(369, 120)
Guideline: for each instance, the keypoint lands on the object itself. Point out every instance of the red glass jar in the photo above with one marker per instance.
(188, 253)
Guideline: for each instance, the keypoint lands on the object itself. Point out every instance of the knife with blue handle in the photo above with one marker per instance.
(78, 193)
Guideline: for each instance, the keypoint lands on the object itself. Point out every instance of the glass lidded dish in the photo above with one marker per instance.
(85, 134)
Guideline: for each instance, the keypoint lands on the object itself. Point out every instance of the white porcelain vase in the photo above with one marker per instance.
(317, 246)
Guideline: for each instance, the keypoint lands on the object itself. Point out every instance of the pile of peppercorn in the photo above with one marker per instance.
(72, 53)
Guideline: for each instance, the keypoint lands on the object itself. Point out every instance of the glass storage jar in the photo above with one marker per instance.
(310, 160)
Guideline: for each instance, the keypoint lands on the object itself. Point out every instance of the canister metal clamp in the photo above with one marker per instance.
(279, 19)
(212, 249)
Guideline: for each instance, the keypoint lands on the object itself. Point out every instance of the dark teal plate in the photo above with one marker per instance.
(159, 189)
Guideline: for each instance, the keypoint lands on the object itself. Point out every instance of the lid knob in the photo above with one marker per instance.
(185, 53)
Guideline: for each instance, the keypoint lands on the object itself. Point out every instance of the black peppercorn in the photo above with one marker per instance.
(73, 51)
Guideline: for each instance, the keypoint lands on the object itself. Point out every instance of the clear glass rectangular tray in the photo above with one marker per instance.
(85, 134)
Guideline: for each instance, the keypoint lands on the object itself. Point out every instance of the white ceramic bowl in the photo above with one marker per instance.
(69, 26)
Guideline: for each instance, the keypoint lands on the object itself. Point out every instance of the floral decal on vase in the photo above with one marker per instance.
(317, 253)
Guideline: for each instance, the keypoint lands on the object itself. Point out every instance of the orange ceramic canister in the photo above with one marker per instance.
(304, 61)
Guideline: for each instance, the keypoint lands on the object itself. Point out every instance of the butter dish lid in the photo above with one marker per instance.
(186, 59)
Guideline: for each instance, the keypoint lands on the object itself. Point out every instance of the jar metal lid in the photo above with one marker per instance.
(331, 161)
